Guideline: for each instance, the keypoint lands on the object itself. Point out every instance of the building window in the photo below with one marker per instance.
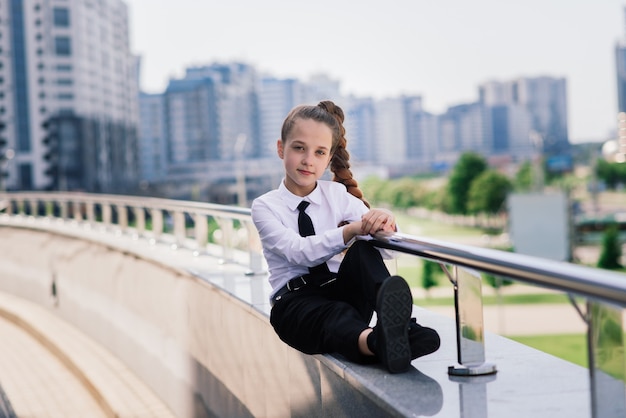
(61, 17)
(25, 176)
(63, 46)
(65, 96)
(65, 82)
(64, 67)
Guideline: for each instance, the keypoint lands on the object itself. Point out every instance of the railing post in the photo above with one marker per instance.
(228, 231)
(20, 206)
(9, 207)
(107, 214)
(468, 306)
(122, 217)
(179, 227)
(201, 230)
(157, 222)
(64, 204)
(140, 217)
(255, 249)
(607, 366)
(77, 210)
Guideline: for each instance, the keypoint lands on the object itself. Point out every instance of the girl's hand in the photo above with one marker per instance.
(378, 220)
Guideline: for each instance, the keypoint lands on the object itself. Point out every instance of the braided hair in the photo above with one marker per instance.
(332, 116)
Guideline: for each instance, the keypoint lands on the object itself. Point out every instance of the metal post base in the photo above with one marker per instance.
(479, 370)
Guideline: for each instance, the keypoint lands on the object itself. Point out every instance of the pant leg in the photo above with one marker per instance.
(360, 275)
(330, 319)
(314, 323)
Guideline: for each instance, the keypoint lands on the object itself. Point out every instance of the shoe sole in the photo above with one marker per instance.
(394, 306)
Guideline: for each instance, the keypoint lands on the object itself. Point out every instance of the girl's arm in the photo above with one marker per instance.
(286, 242)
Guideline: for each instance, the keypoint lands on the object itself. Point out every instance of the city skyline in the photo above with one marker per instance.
(571, 39)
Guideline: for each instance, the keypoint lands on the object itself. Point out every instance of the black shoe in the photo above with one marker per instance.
(423, 340)
(394, 305)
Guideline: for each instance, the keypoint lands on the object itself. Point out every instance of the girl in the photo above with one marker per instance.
(323, 302)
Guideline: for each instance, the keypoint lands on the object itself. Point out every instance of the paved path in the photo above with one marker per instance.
(518, 320)
(51, 369)
(36, 382)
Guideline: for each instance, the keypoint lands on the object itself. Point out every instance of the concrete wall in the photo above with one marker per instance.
(203, 350)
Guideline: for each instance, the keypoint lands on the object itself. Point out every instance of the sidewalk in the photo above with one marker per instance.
(51, 369)
(518, 320)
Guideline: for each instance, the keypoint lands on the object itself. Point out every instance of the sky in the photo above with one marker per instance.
(441, 50)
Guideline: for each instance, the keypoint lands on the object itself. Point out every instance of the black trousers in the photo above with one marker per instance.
(329, 319)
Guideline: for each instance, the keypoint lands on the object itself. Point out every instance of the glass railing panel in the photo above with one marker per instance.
(606, 359)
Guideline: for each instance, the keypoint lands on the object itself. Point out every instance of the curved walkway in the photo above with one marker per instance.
(37, 383)
(51, 369)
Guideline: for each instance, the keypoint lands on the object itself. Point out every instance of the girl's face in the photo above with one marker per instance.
(305, 154)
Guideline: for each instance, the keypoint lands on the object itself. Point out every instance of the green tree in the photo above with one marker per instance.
(373, 188)
(524, 177)
(611, 173)
(469, 166)
(405, 193)
(429, 278)
(611, 249)
(488, 192)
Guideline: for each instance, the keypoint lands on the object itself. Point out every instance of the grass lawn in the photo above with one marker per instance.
(522, 299)
(570, 347)
(438, 230)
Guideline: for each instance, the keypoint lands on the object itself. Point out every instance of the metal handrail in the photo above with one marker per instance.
(594, 283)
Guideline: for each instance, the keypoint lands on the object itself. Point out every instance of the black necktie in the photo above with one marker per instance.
(305, 226)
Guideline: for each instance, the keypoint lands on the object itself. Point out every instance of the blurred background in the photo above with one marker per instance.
(486, 123)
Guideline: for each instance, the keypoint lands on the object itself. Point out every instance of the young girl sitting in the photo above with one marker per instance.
(324, 297)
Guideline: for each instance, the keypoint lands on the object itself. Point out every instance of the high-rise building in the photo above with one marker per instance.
(360, 128)
(235, 104)
(527, 115)
(620, 66)
(68, 95)
(465, 127)
(276, 98)
(423, 139)
(193, 132)
(320, 87)
(153, 150)
(390, 131)
(510, 120)
(546, 100)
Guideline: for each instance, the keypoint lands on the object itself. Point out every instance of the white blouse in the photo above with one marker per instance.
(288, 255)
